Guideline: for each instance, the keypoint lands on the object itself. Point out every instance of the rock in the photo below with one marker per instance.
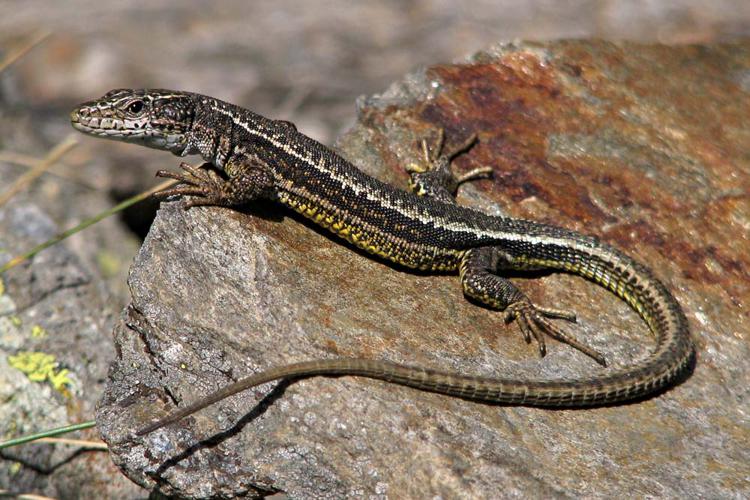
(644, 146)
(55, 316)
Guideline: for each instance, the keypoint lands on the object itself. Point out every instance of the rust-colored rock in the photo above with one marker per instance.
(643, 146)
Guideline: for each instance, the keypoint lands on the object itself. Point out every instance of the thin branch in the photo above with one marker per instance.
(29, 161)
(22, 496)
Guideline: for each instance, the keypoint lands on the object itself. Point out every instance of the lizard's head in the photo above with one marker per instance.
(155, 118)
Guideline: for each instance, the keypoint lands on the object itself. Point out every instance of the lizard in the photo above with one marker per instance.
(250, 157)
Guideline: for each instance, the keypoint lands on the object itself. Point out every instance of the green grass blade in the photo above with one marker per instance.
(83, 225)
(48, 433)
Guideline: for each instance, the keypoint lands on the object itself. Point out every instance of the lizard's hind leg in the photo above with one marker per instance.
(479, 282)
(436, 179)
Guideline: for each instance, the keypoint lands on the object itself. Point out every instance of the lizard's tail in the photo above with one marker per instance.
(633, 282)
(629, 280)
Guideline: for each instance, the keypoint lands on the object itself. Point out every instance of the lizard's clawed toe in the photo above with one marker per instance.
(434, 176)
(203, 183)
(534, 322)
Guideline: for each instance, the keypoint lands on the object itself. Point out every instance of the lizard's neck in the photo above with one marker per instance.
(221, 130)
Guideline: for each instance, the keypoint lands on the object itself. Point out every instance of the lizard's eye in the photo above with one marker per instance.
(135, 107)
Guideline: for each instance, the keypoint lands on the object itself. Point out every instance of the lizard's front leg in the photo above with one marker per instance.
(478, 266)
(246, 179)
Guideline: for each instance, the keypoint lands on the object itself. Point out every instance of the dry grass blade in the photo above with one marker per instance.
(55, 154)
(29, 161)
(15, 54)
(89, 445)
(22, 496)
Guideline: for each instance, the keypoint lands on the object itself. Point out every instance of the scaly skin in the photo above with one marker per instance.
(254, 157)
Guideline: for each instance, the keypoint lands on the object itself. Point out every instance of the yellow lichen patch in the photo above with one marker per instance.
(15, 321)
(38, 332)
(2, 286)
(41, 367)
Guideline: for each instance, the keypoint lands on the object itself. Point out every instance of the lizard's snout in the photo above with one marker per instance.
(81, 115)
(92, 121)
(80, 119)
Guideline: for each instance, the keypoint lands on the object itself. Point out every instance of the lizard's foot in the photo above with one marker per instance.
(535, 322)
(435, 177)
(203, 183)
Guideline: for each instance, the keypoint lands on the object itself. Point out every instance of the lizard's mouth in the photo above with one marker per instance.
(100, 126)
(112, 128)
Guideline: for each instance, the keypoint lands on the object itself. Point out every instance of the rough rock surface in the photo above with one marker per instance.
(54, 308)
(643, 146)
